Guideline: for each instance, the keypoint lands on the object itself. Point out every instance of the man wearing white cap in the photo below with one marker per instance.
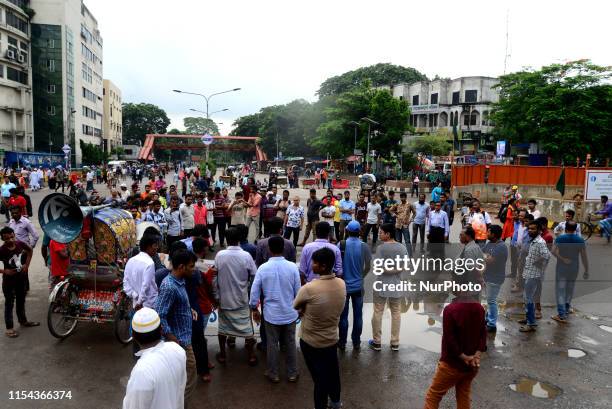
(124, 192)
(159, 377)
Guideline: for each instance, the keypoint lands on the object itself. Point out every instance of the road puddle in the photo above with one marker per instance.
(535, 388)
(606, 328)
(575, 353)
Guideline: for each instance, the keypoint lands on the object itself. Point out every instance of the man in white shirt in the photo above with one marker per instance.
(139, 275)
(90, 180)
(159, 377)
(373, 221)
(569, 217)
(531, 209)
(187, 211)
(124, 192)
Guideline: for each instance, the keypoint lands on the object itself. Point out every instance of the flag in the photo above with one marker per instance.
(560, 187)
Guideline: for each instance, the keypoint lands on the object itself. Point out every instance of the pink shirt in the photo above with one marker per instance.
(254, 202)
(199, 214)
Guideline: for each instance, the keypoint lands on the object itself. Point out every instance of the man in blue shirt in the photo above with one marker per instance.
(356, 259)
(421, 214)
(347, 209)
(279, 282)
(175, 312)
(6, 195)
(496, 256)
(568, 248)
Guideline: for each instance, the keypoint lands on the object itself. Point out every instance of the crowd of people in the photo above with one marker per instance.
(263, 281)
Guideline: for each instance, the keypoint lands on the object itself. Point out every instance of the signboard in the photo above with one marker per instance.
(207, 139)
(597, 184)
(501, 148)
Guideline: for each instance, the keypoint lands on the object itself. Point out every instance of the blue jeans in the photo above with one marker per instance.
(205, 318)
(404, 233)
(564, 285)
(492, 293)
(530, 292)
(357, 300)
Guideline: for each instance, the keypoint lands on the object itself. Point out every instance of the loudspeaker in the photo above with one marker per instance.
(60, 217)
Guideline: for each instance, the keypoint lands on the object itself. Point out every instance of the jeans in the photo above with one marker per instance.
(324, 368)
(205, 319)
(530, 292)
(366, 233)
(396, 318)
(286, 335)
(492, 293)
(253, 219)
(200, 347)
(564, 286)
(418, 229)
(357, 300)
(14, 290)
(296, 234)
(404, 233)
(343, 224)
(337, 231)
(192, 375)
(445, 378)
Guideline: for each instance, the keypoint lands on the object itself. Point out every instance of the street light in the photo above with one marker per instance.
(207, 99)
(370, 123)
(211, 114)
(355, 125)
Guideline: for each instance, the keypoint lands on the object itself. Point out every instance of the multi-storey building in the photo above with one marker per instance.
(113, 126)
(67, 71)
(16, 125)
(443, 104)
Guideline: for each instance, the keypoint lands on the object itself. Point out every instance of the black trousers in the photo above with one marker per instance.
(14, 288)
(170, 240)
(370, 227)
(220, 225)
(296, 234)
(200, 347)
(436, 241)
(323, 366)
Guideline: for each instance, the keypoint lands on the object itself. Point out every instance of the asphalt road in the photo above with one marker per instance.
(94, 367)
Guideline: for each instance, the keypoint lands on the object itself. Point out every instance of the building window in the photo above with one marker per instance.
(415, 100)
(51, 65)
(12, 46)
(50, 43)
(456, 98)
(51, 89)
(401, 97)
(471, 95)
(434, 99)
(1, 71)
(16, 75)
(70, 90)
(16, 22)
(51, 110)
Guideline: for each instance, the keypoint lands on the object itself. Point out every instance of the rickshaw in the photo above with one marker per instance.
(100, 239)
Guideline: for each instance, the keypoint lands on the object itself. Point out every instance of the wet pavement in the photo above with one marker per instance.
(559, 366)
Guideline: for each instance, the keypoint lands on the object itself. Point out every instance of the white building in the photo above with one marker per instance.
(16, 123)
(113, 122)
(438, 105)
(68, 85)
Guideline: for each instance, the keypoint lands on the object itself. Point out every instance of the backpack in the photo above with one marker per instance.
(503, 213)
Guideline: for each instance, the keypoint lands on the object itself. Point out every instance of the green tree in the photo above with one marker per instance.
(119, 151)
(200, 126)
(336, 136)
(377, 75)
(434, 145)
(142, 119)
(175, 131)
(563, 107)
(92, 154)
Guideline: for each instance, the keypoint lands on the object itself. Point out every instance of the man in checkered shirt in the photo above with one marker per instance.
(533, 273)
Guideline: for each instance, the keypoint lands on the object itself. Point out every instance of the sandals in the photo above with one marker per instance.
(206, 378)
(30, 324)
(11, 333)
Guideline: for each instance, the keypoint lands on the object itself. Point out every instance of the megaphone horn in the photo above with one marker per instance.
(60, 217)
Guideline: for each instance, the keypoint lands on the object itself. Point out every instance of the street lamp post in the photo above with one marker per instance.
(370, 123)
(207, 99)
(355, 126)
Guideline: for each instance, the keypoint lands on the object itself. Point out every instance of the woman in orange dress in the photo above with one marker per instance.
(508, 229)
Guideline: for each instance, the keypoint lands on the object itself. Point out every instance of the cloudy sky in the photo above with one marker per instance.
(277, 51)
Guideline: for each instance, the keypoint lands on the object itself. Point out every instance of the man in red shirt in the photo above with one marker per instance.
(18, 201)
(464, 338)
(60, 260)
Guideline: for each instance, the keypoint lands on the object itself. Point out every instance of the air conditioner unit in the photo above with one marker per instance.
(10, 54)
(21, 58)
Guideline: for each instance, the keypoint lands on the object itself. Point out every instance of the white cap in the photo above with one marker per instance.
(145, 320)
(123, 185)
